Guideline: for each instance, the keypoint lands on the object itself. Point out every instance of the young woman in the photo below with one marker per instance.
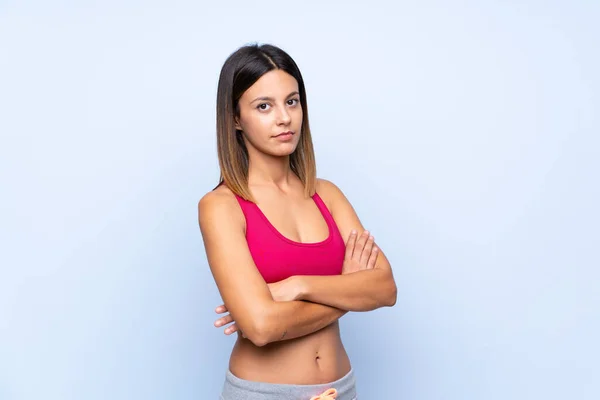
(286, 249)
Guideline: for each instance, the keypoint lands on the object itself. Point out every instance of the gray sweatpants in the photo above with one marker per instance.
(240, 389)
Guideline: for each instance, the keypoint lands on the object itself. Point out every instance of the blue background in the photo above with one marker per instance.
(465, 134)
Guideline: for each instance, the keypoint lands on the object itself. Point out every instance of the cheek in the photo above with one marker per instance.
(298, 115)
(256, 124)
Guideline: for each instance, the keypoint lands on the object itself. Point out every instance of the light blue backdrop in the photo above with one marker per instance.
(464, 133)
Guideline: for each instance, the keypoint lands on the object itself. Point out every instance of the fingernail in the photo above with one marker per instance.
(353, 232)
(366, 232)
(371, 237)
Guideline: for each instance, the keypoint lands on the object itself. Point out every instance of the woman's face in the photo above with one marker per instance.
(268, 109)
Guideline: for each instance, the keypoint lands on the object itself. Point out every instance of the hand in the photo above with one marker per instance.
(285, 290)
(361, 254)
(222, 321)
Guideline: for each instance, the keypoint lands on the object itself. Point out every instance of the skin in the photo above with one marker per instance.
(288, 331)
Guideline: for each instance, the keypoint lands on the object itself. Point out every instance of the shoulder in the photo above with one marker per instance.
(329, 191)
(326, 186)
(331, 194)
(219, 204)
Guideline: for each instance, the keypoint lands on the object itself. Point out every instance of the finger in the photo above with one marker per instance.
(231, 329)
(360, 245)
(364, 258)
(224, 320)
(350, 244)
(373, 258)
(221, 309)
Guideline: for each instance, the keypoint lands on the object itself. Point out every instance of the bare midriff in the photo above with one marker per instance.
(312, 359)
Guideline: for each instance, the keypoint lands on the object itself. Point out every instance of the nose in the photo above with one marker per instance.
(283, 116)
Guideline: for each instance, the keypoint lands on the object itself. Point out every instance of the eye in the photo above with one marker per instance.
(293, 102)
(262, 106)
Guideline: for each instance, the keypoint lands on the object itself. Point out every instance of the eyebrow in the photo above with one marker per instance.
(272, 99)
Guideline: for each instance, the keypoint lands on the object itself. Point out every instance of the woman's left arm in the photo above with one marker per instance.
(358, 291)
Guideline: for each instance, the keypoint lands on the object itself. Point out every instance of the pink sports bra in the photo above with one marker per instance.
(278, 257)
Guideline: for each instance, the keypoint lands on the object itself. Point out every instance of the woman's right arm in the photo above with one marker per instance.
(242, 288)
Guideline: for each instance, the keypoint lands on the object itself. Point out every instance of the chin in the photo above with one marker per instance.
(285, 153)
(284, 150)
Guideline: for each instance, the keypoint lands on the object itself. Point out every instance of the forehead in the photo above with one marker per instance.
(275, 83)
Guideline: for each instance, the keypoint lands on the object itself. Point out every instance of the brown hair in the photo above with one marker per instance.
(241, 69)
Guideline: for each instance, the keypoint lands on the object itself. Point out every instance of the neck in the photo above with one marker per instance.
(270, 170)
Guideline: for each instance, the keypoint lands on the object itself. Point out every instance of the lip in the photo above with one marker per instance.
(285, 136)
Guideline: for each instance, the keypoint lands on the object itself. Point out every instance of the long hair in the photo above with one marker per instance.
(241, 69)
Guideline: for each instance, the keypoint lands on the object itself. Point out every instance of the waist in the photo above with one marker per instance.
(236, 388)
(312, 359)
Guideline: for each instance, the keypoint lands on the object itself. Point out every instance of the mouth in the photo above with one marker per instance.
(288, 133)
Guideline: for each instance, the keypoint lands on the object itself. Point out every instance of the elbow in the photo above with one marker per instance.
(383, 298)
(259, 331)
(391, 293)
(258, 340)
(388, 292)
(384, 295)
(392, 296)
(263, 335)
(256, 334)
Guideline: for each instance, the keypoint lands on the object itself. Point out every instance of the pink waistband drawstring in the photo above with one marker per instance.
(329, 394)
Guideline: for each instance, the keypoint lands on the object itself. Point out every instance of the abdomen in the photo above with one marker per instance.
(312, 359)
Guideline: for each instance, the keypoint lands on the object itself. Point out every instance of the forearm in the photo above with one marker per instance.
(285, 320)
(359, 291)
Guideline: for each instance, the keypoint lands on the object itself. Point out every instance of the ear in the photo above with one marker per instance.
(236, 120)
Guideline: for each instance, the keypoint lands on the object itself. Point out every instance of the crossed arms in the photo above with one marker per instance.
(299, 305)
